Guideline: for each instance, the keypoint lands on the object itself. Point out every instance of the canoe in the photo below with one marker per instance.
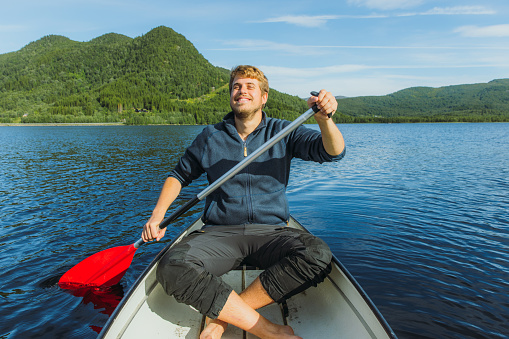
(336, 308)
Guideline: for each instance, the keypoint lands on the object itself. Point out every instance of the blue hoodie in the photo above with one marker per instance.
(256, 195)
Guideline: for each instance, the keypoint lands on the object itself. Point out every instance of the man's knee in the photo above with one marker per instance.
(316, 251)
(172, 270)
(191, 284)
(308, 265)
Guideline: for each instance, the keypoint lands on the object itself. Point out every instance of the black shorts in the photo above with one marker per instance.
(292, 261)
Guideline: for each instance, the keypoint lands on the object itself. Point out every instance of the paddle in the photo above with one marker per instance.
(107, 267)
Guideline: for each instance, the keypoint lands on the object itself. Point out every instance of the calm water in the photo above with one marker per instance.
(417, 212)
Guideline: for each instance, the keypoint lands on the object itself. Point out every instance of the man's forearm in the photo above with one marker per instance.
(169, 193)
(331, 137)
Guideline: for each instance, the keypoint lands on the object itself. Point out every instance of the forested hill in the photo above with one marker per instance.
(159, 77)
(482, 102)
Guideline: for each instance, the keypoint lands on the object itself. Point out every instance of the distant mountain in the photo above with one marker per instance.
(161, 78)
(476, 102)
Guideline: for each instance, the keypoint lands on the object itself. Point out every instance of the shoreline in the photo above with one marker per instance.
(91, 124)
(65, 124)
(50, 124)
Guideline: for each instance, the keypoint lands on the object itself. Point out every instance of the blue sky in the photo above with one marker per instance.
(350, 47)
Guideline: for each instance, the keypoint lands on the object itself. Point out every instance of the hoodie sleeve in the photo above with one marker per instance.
(306, 144)
(189, 166)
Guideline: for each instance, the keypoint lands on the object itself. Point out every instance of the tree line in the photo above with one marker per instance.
(160, 78)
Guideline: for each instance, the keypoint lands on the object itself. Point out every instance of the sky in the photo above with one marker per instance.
(349, 47)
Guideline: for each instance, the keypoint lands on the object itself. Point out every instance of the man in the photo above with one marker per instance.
(245, 218)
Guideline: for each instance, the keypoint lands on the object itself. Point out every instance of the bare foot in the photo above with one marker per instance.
(214, 329)
(288, 331)
(283, 332)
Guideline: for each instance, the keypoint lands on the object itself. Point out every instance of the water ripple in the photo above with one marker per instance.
(418, 214)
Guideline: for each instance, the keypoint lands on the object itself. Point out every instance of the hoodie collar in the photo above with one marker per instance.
(229, 122)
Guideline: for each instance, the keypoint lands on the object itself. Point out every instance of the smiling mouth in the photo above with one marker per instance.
(242, 99)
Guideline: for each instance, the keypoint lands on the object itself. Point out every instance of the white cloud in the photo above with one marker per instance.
(484, 32)
(264, 45)
(386, 4)
(317, 20)
(459, 10)
(337, 69)
(321, 20)
(303, 20)
(312, 72)
(12, 28)
(342, 81)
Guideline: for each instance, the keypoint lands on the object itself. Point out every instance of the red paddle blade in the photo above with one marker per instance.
(105, 268)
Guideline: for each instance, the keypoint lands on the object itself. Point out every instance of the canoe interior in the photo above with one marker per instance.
(334, 309)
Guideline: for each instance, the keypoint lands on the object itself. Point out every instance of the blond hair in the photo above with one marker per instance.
(246, 71)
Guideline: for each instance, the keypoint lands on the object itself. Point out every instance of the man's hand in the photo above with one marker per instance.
(327, 104)
(169, 193)
(152, 231)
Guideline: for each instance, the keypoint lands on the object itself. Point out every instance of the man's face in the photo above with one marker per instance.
(246, 98)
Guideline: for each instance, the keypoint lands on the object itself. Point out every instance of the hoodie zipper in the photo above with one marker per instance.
(250, 217)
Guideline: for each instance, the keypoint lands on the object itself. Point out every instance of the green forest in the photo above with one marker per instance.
(485, 102)
(161, 78)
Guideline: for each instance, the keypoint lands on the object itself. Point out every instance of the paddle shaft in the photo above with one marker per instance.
(236, 169)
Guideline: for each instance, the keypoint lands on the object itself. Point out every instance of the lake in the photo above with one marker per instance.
(418, 213)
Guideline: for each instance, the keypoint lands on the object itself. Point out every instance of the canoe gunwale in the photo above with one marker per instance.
(365, 296)
(360, 290)
(195, 225)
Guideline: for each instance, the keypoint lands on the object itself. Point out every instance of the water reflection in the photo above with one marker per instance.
(104, 299)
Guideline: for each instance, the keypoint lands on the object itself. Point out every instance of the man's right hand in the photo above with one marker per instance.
(151, 230)
(169, 193)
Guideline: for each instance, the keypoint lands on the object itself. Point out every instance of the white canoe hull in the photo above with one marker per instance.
(336, 308)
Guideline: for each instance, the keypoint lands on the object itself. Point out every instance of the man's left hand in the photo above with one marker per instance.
(326, 102)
